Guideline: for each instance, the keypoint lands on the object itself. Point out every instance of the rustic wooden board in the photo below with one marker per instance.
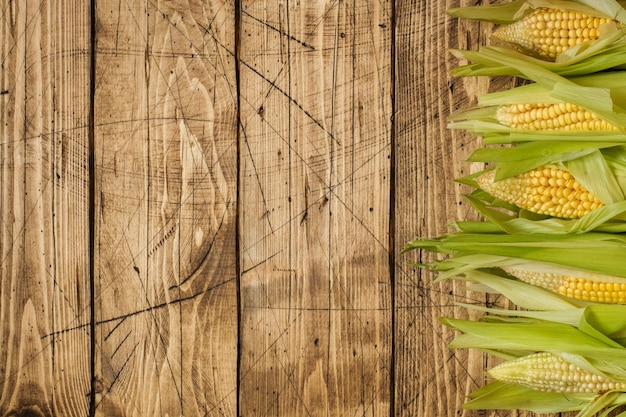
(44, 284)
(315, 185)
(166, 187)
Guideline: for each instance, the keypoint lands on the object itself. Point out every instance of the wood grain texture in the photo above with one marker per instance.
(166, 146)
(44, 281)
(245, 260)
(432, 380)
(315, 186)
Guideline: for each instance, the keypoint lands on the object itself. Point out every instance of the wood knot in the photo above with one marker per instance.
(98, 385)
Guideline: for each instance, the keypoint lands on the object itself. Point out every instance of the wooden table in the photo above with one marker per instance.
(203, 205)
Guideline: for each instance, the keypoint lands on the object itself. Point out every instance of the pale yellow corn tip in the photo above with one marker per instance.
(580, 285)
(548, 372)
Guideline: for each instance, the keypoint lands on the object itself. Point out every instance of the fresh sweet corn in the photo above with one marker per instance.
(580, 285)
(544, 190)
(550, 116)
(545, 371)
(550, 32)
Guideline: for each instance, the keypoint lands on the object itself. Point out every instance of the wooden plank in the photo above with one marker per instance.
(315, 186)
(432, 380)
(166, 191)
(44, 250)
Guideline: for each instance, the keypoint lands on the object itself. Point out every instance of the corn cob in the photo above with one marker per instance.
(550, 116)
(549, 191)
(548, 372)
(550, 32)
(572, 283)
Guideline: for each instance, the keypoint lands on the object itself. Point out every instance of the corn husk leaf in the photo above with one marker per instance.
(502, 396)
(530, 155)
(589, 57)
(594, 173)
(603, 356)
(593, 251)
(496, 13)
(520, 294)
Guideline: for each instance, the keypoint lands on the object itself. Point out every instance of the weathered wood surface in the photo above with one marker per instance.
(204, 216)
(315, 153)
(166, 195)
(44, 211)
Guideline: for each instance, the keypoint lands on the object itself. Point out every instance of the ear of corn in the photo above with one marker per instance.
(570, 31)
(513, 11)
(567, 366)
(550, 32)
(606, 102)
(550, 116)
(567, 180)
(571, 283)
(531, 113)
(549, 191)
(545, 371)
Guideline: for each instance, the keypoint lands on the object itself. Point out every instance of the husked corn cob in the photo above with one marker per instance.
(550, 32)
(549, 191)
(571, 283)
(555, 116)
(546, 371)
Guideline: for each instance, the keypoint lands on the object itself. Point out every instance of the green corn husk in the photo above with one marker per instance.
(513, 11)
(557, 264)
(595, 252)
(604, 98)
(598, 166)
(511, 340)
(601, 54)
(590, 338)
(525, 282)
(482, 120)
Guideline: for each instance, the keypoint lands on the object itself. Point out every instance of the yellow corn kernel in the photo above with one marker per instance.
(545, 371)
(580, 285)
(550, 32)
(550, 191)
(557, 116)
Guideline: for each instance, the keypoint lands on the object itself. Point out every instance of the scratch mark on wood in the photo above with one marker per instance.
(117, 375)
(282, 32)
(160, 243)
(256, 174)
(149, 309)
(283, 92)
(260, 263)
(293, 101)
(120, 344)
(114, 328)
